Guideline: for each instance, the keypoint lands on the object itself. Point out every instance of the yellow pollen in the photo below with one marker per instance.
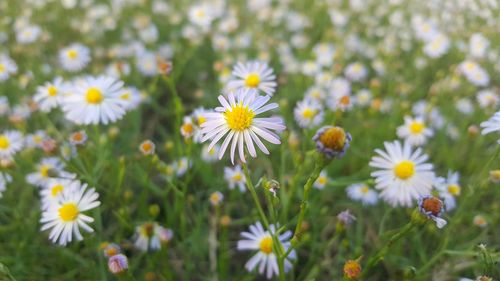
(364, 189)
(68, 212)
(404, 169)
(2, 68)
(214, 198)
(44, 170)
(252, 80)
(52, 91)
(4, 142)
(77, 137)
(125, 96)
(333, 138)
(147, 229)
(56, 189)
(322, 180)
(239, 118)
(111, 251)
(237, 177)
(345, 100)
(200, 13)
(94, 96)
(187, 128)
(72, 54)
(454, 189)
(417, 127)
(308, 113)
(201, 120)
(147, 146)
(266, 245)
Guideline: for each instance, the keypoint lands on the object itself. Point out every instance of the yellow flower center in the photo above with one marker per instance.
(239, 118)
(125, 96)
(405, 169)
(68, 212)
(237, 177)
(214, 198)
(4, 142)
(147, 229)
(201, 119)
(77, 137)
(417, 127)
(364, 189)
(56, 189)
(72, 54)
(252, 80)
(266, 245)
(52, 91)
(2, 68)
(187, 128)
(94, 96)
(345, 100)
(333, 138)
(308, 113)
(147, 146)
(44, 170)
(454, 189)
(322, 180)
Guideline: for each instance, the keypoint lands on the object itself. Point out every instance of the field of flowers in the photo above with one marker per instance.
(249, 140)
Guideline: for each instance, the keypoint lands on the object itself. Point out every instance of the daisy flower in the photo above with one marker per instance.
(235, 177)
(95, 100)
(209, 155)
(150, 236)
(54, 187)
(322, 180)
(78, 138)
(491, 125)
(308, 113)
(4, 180)
(448, 189)
(28, 34)
(7, 67)
(253, 75)
(74, 57)
(474, 73)
(260, 240)
(65, 216)
(403, 174)
(488, 98)
(356, 72)
(432, 207)
(237, 121)
(147, 64)
(48, 96)
(216, 198)
(414, 131)
(48, 168)
(10, 143)
(438, 46)
(36, 139)
(131, 98)
(361, 192)
(339, 101)
(147, 147)
(188, 128)
(117, 263)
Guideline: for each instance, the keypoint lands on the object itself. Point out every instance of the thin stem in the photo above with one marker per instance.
(256, 200)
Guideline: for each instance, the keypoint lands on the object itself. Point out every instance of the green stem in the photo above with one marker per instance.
(251, 188)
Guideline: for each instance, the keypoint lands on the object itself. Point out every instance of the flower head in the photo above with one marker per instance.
(118, 263)
(253, 75)
(237, 121)
(432, 207)
(332, 141)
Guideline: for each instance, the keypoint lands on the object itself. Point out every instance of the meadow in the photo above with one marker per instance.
(249, 140)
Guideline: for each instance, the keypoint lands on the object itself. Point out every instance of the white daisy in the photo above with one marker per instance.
(235, 177)
(361, 192)
(448, 189)
(253, 75)
(65, 216)
(414, 131)
(261, 240)
(488, 98)
(150, 236)
(236, 120)
(28, 34)
(49, 95)
(403, 176)
(474, 73)
(7, 67)
(36, 139)
(356, 72)
(49, 167)
(209, 155)
(146, 63)
(10, 143)
(438, 46)
(491, 125)
(95, 100)
(308, 113)
(131, 97)
(4, 180)
(74, 57)
(322, 180)
(52, 190)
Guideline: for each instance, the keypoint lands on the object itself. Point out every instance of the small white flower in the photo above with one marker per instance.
(361, 192)
(492, 124)
(10, 143)
(74, 57)
(7, 67)
(265, 259)
(253, 75)
(50, 94)
(403, 175)
(414, 131)
(65, 216)
(308, 113)
(235, 177)
(322, 180)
